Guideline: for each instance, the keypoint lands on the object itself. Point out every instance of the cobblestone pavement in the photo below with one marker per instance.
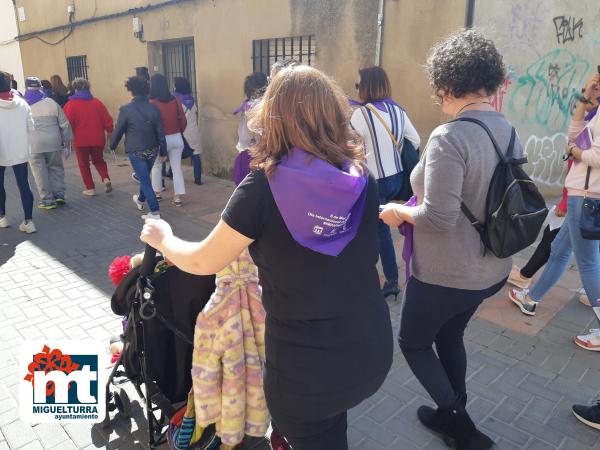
(53, 285)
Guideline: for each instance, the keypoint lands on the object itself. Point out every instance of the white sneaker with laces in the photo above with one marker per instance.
(140, 206)
(151, 216)
(27, 227)
(4, 222)
(590, 341)
(522, 300)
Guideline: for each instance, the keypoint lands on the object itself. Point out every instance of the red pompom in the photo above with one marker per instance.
(119, 268)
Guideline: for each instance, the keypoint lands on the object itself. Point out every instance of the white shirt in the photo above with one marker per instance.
(383, 159)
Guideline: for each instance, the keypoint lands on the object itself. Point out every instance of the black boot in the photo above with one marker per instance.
(456, 427)
(430, 417)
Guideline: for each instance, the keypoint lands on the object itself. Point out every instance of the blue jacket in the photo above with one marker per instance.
(142, 126)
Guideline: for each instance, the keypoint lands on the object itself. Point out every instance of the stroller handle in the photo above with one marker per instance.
(147, 266)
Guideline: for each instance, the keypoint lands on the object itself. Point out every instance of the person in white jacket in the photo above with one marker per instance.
(183, 91)
(15, 124)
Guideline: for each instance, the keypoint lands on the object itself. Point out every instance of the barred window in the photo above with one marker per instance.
(77, 67)
(267, 51)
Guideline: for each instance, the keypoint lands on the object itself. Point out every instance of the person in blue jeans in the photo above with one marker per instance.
(383, 125)
(582, 181)
(141, 124)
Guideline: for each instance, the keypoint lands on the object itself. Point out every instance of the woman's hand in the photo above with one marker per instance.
(163, 159)
(575, 152)
(558, 212)
(592, 87)
(390, 215)
(155, 232)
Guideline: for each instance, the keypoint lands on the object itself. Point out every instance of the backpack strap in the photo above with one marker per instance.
(383, 122)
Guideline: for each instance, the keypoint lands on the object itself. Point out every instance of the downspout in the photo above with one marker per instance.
(379, 42)
(470, 13)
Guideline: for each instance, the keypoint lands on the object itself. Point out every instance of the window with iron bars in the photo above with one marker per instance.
(267, 51)
(77, 67)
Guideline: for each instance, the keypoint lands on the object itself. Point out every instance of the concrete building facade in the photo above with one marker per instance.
(10, 52)
(219, 42)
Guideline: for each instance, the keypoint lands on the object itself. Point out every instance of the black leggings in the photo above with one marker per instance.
(439, 314)
(541, 254)
(20, 171)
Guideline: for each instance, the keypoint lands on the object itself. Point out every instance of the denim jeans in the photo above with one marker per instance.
(388, 189)
(142, 168)
(20, 171)
(587, 256)
(197, 162)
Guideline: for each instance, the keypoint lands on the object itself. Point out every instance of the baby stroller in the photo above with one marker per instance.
(160, 310)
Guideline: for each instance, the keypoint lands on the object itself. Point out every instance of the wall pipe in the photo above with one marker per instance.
(129, 12)
(379, 43)
(470, 13)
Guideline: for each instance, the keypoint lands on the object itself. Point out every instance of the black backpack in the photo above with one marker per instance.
(514, 208)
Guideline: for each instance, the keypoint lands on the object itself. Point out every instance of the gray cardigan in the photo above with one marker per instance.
(457, 165)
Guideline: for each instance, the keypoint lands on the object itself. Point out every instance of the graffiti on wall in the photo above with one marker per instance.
(548, 91)
(567, 28)
(544, 155)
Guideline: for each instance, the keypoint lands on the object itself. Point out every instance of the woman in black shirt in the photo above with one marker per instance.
(309, 216)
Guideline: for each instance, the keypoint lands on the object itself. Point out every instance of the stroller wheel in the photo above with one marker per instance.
(123, 403)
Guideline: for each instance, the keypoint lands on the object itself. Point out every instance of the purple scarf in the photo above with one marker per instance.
(243, 108)
(589, 116)
(321, 205)
(406, 230)
(81, 95)
(32, 96)
(186, 100)
(380, 105)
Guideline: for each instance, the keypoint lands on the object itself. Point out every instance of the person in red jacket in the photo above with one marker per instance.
(90, 121)
(174, 123)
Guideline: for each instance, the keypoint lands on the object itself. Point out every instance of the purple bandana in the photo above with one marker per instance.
(81, 95)
(32, 96)
(406, 230)
(243, 108)
(321, 205)
(589, 116)
(380, 105)
(186, 100)
(583, 139)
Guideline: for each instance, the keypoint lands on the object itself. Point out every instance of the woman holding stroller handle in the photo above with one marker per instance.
(328, 332)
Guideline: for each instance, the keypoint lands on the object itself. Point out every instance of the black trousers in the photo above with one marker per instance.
(436, 314)
(541, 254)
(326, 434)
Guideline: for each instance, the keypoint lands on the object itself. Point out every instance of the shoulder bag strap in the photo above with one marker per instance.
(178, 114)
(587, 179)
(387, 128)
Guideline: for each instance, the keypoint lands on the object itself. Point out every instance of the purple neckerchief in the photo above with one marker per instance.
(243, 108)
(186, 100)
(583, 139)
(48, 92)
(321, 205)
(589, 116)
(81, 95)
(380, 105)
(32, 96)
(406, 230)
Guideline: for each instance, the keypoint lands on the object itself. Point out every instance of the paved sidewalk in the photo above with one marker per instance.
(523, 375)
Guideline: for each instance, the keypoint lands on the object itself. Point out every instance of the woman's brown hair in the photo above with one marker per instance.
(302, 107)
(58, 85)
(374, 84)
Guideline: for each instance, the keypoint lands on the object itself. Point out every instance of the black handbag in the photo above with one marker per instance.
(590, 214)
(187, 150)
(410, 158)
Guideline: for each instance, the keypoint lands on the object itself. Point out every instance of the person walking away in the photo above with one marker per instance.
(328, 332)
(60, 93)
(451, 273)
(16, 122)
(254, 86)
(141, 124)
(91, 123)
(383, 125)
(183, 93)
(51, 135)
(583, 181)
(174, 124)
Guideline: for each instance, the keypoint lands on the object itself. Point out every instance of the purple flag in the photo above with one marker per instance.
(406, 230)
(321, 205)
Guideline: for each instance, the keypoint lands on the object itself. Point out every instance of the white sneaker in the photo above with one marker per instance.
(583, 298)
(27, 227)
(89, 192)
(516, 279)
(151, 216)
(522, 300)
(140, 206)
(589, 341)
(4, 222)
